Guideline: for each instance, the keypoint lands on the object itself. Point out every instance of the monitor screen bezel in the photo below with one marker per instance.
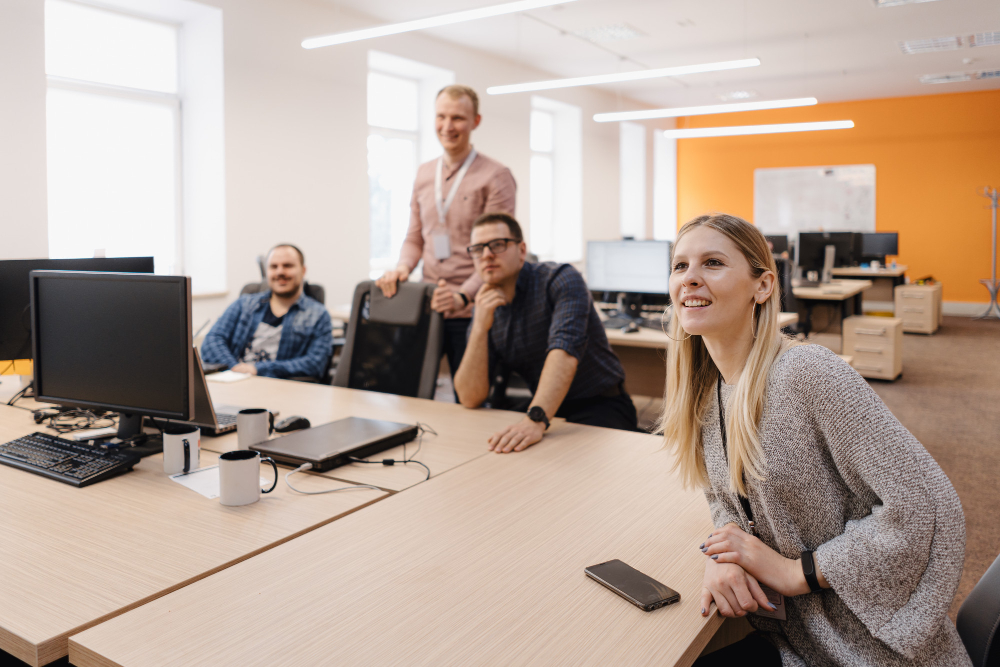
(187, 341)
(599, 288)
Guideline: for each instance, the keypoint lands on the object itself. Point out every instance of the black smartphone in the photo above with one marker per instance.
(643, 591)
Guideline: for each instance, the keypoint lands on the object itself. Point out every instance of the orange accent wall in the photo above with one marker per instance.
(931, 154)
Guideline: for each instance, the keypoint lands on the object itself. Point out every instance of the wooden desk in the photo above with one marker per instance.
(642, 354)
(480, 566)
(72, 557)
(462, 433)
(846, 292)
(884, 281)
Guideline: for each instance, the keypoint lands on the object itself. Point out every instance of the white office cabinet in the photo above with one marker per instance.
(919, 306)
(876, 343)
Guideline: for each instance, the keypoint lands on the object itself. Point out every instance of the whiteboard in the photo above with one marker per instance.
(811, 199)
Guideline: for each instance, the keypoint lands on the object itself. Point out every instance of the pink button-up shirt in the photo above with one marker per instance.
(488, 186)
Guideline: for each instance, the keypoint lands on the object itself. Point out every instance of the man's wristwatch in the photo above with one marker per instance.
(537, 414)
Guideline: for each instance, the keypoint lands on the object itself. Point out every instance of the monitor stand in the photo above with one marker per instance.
(129, 425)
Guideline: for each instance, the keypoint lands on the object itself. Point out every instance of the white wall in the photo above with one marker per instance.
(295, 137)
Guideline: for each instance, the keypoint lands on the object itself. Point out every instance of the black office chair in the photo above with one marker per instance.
(393, 345)
(978, 619)
(312, 290)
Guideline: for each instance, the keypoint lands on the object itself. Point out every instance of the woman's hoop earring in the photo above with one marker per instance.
(665, 330)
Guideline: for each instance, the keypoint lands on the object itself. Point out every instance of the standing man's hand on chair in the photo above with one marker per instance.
(445, 299)
(387, 283)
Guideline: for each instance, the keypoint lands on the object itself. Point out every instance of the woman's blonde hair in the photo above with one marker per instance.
(692, 375)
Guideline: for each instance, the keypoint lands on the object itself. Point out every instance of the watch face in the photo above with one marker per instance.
(536, 414)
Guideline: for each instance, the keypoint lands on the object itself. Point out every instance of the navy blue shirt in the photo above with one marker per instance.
(552, 309)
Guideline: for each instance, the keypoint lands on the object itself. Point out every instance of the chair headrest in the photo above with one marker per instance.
(403, 309)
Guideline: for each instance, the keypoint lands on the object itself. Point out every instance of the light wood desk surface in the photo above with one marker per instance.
(462, 433)
(74, 557)
(484, 565)
(838, 290)
(658, 340)
(881, 272)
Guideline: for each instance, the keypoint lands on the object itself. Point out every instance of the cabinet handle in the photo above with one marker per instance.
(912, 296)
(874, 350)
(913, 310)
(868, 368)
(870, 332)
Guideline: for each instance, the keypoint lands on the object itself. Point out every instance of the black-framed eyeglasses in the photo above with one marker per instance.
(496, 247)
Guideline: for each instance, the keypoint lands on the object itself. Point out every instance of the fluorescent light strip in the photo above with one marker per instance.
(700, 111)
(623, 76)
(737, 130)
(430, 22)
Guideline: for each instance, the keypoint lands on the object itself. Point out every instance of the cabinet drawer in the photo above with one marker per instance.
(875, 364)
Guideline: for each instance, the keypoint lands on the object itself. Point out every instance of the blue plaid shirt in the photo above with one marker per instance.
(552, 309)
(306, 337)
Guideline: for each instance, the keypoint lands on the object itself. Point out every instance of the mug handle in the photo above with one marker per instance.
(271, 461)
(187, 455)
(270, 429)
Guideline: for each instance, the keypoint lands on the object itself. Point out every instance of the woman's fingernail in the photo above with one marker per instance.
(701, 546)
(715, 557)
(702, 611)
(773, 608)
(704, 551)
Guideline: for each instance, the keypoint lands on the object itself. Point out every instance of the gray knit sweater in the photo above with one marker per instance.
(847, 480)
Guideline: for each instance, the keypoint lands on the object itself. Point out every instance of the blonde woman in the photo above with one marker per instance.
(816, 490)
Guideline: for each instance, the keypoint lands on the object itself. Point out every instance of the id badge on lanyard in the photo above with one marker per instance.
(441, 238)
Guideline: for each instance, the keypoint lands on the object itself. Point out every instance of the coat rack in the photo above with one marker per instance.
(991, 284)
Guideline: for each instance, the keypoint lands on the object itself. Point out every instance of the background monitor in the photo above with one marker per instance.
(637, 267)
(115, 341)
(812, 246)
(779, 244)
(15, 313)
(877, 246)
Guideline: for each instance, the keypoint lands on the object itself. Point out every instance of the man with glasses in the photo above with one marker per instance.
(539, 321)
(448, 195)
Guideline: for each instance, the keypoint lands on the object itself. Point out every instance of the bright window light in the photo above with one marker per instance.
(735, 130)
(392, 166)
(112, 177)
(430, 22)
(393, 102)
(677, 112)
(100, 46)
(541, 131)
(540, 206)
(632, 180)
(622, 76)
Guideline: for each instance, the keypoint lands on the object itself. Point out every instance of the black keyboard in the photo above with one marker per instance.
(619, 322)
(64, 460)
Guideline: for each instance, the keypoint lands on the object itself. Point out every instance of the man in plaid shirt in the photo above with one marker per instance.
(280, 333)
(538, 320)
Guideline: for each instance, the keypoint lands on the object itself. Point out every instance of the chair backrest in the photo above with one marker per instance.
(312, 290)
(978, 619)
(392, 345)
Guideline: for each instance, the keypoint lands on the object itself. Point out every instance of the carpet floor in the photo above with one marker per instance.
(949, 398)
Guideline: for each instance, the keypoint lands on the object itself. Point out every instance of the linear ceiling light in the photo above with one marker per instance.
(700, 111)
(736, 130)
(622, 76)
(430, 22)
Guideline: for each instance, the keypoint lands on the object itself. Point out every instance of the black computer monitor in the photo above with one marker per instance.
(638, 269)
(812, 248)
(15, 315)
(878, 245)
(115, 341)
(779, 244)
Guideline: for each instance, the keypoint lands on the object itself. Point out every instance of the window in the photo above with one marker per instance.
(664, 187)
(555, 186)
(401, 135)
(632, 180)
(113, 135)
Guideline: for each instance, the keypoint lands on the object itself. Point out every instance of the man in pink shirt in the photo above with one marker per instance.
(448, 195)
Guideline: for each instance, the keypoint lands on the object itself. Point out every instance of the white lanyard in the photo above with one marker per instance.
(443, 206)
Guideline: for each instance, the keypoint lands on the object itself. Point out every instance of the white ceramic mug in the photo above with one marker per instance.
(253, 426)
(239, 477)
(181, 449)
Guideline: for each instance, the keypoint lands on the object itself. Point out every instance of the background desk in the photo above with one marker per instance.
(642, 354)
(483, 565)
(462, 433)
(884, 281)
(75, 557)
(845, 292)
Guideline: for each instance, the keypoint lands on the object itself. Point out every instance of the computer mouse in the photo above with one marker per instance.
(293, 423)
(631, 327)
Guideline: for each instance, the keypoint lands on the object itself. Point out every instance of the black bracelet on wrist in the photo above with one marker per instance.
(465, 299)
(809, 570)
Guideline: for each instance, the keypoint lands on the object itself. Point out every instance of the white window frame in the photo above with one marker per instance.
(664, 187)
(566, 235)
(632, 180)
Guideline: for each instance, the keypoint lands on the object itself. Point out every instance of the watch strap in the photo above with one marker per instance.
(537, 414)
(465, 299)
(809, 570)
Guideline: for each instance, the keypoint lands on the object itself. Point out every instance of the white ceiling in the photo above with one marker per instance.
(834, 50)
